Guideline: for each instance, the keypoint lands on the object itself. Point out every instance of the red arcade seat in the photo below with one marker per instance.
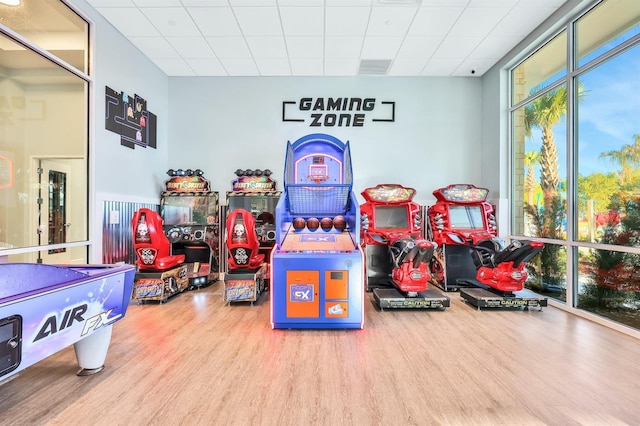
(242, 241)
(503, 268)
(152, 246)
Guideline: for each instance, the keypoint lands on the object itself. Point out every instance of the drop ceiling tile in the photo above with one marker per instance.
(478, 21)
(229, 47)
(305, 47)
(191, 47)
(390, 21)
(346, 21)
(130, 22)
(446, 3)
(215, 21)
(258, 21)
(493, 3)
(348, 3)
(456, 47)
(300, 21)
(155, 47)
(175, 67)
(204, 3)
(441, 67)
(240, 67)
(207, 67)
(307, 66)
(171, 21)
(380, 47)
(406, 67)
(418, 47)
(480, 66)
(157, 3)
(253, 3)
(267, 47)
(514, 25)
(494, 47)
(111, 3)
(341, 66)
(273, 66)
(343, 47)
(282, 3)
(436, 21)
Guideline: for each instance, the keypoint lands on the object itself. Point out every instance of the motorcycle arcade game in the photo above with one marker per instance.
(471, 258)
(251, 234)
(317, 267)
(190, 213)
(397, 257)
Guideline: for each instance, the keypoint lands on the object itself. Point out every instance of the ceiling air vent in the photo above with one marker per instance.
(374, 66)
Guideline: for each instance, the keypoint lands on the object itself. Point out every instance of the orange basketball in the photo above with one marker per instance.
(299, 223)
(339, 222)
(313, 223)
(326, 223)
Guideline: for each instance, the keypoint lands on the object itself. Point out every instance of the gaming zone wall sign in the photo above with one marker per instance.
(128, 116)
(338, 112)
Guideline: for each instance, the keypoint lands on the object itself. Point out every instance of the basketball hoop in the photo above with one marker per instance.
(318, 178)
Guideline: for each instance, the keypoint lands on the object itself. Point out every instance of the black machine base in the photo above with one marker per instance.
(390, 298)
(482, 298)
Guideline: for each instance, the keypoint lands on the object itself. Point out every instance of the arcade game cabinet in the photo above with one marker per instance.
(397, 257)
(317, 266)
(254, 194)
(160, 274)
(471, 258)
(190, 212)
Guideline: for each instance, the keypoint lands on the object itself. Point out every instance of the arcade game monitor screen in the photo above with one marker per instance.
(187, 209)
(391, 217)
(466, 217)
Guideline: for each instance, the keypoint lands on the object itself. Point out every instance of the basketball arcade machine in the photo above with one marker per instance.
(397, 257)
(189, 210)
(317, 267)
(251, 234)
(471, 258)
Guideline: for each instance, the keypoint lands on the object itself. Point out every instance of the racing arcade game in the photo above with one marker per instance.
(189, 210)
(397, 257)
(254, 197)
(160, 274)
(471, 258)
(317, 267)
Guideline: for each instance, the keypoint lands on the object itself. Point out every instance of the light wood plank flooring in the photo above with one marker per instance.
(196, 361)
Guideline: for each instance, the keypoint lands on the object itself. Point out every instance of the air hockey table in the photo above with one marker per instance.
(46, 308)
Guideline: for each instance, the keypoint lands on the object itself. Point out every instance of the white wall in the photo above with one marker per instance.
(120, 173)
(220, 124)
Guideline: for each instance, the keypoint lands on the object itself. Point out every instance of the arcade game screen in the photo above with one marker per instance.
(181, 210)
(261, 207)
(391, 217)
(466, 217)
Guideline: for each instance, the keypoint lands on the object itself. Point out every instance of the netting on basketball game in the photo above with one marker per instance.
(318, 200)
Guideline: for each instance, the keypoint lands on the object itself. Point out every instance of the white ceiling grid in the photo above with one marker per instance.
(325, 37)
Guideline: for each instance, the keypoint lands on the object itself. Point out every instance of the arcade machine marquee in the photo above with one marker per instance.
(317, 264)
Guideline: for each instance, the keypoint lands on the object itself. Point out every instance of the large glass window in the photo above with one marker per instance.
(608, 150)
(575, 143)
(52, 26)
(44, 126)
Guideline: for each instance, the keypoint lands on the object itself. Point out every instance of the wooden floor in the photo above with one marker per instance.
(196, 361)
